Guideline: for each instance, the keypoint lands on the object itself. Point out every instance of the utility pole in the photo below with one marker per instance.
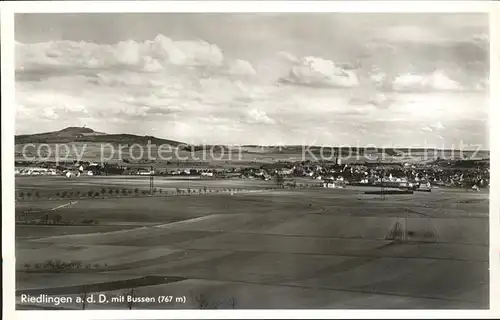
(151, 180)
(382, 194)
(405, 230)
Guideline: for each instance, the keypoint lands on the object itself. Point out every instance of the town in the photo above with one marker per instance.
(469, 174)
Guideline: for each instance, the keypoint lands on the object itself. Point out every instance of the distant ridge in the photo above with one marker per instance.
(83, 134)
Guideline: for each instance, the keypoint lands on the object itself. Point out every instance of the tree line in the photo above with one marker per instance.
(136, 192)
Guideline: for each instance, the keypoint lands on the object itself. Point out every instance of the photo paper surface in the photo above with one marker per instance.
(251, 160)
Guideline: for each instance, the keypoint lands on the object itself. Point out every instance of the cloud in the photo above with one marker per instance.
(318, 72)
(381, 100)
(155, 55)
(435, 127)
(436, 81)
(287, 56)
(190, 91)
(377, 99)
(186, 53)
(241, 67)
(482, 39)
(152, 65)
(259, 117)
(49, 114)
(32, 102)
(411, 33)
(378, 78)
(460, 58)
(439, 125)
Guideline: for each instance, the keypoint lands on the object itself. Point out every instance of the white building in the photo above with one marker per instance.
(334, 184)
(146, 173)
(34, 171)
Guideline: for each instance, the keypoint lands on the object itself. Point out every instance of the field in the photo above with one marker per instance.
(292, 248)
(97, 182)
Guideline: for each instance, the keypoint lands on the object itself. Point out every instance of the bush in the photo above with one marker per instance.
(204, 302)
(57, 219)
(232, 302)
(58, 264)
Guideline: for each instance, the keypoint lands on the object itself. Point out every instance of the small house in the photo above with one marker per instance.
(331, 183)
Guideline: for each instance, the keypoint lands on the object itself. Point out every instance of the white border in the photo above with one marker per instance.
(7, 45)
(247, 6)
(8, 132)
(494, 118)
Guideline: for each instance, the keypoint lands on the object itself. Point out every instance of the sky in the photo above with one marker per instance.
(399, 79)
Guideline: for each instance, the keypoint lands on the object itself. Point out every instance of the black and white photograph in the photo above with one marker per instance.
(251, 160)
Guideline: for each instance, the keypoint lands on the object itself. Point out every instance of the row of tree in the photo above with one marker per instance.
(155, 191)
(62, 265)
(45, 219)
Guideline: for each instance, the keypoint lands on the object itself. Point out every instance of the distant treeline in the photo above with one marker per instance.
(136, 192)
(212, 148)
